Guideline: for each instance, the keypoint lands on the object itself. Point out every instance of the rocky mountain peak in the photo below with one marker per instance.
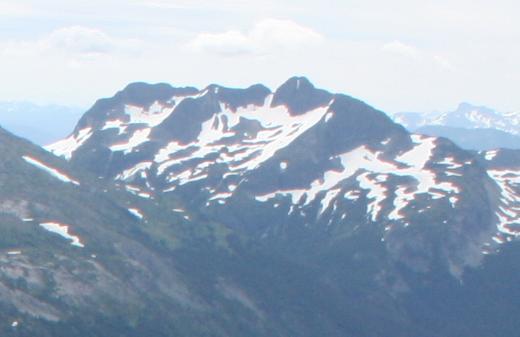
(299, 95)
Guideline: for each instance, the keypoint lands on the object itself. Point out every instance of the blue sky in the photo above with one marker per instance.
(399, 55)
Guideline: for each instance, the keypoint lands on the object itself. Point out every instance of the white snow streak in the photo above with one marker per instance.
(490, 155)
(508, 213)
(131, 172)
(62, 230)
(136, 212)
(50, 170)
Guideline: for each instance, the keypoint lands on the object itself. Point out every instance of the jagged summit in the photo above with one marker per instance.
(135, 94)
(300, 96)
(234, 98)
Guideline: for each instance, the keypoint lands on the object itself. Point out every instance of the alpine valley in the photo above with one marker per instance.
(247, 212)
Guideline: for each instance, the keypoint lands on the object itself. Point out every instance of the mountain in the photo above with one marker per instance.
(84, 258)
(473, 139)
(265, 162)
(469, 126)
(42, 124)
(465, 116)
(232, 212)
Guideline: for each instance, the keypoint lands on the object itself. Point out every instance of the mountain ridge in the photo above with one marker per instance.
(272, 146)
(471, 127)
(465, 116)
(256, 219)
(473, 139)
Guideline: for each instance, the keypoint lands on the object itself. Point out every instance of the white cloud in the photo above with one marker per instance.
(85, 40)
(76, 43)
(77, 39)
(422, 57)
(228, 43)
(264, 37)
(283, 33)
(72, 48)
(437, 52)
(397, 47)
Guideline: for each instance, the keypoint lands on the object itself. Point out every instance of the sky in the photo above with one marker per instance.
(401, 55)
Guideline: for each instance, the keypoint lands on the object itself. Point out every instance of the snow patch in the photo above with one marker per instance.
(420, 154)
(377, 192)
(328, 116)
(139, 137)
(14, 252)
(508, 213)
(329, 196)
(402, 199)
(136, 212)
(296, 195)
(137, 191)
(352, 195)
(66, 147)
(50, 170)
(115, 124)
(490, 155)
(133, 171)
(450, 163)
(156, 113)
(63, 231)
(386, 141)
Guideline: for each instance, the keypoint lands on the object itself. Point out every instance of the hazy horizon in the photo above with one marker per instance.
(403, 56)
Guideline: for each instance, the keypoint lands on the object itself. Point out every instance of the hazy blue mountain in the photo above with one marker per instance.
(465, 116)
(473, 139)
(469, 126)
(42, 124)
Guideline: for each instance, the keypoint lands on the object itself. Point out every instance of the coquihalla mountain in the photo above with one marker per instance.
(251, 212)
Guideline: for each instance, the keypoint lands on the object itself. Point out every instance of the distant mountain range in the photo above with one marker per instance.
(473, 139)
(42, 124)
(179, 211)
(471, 127)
